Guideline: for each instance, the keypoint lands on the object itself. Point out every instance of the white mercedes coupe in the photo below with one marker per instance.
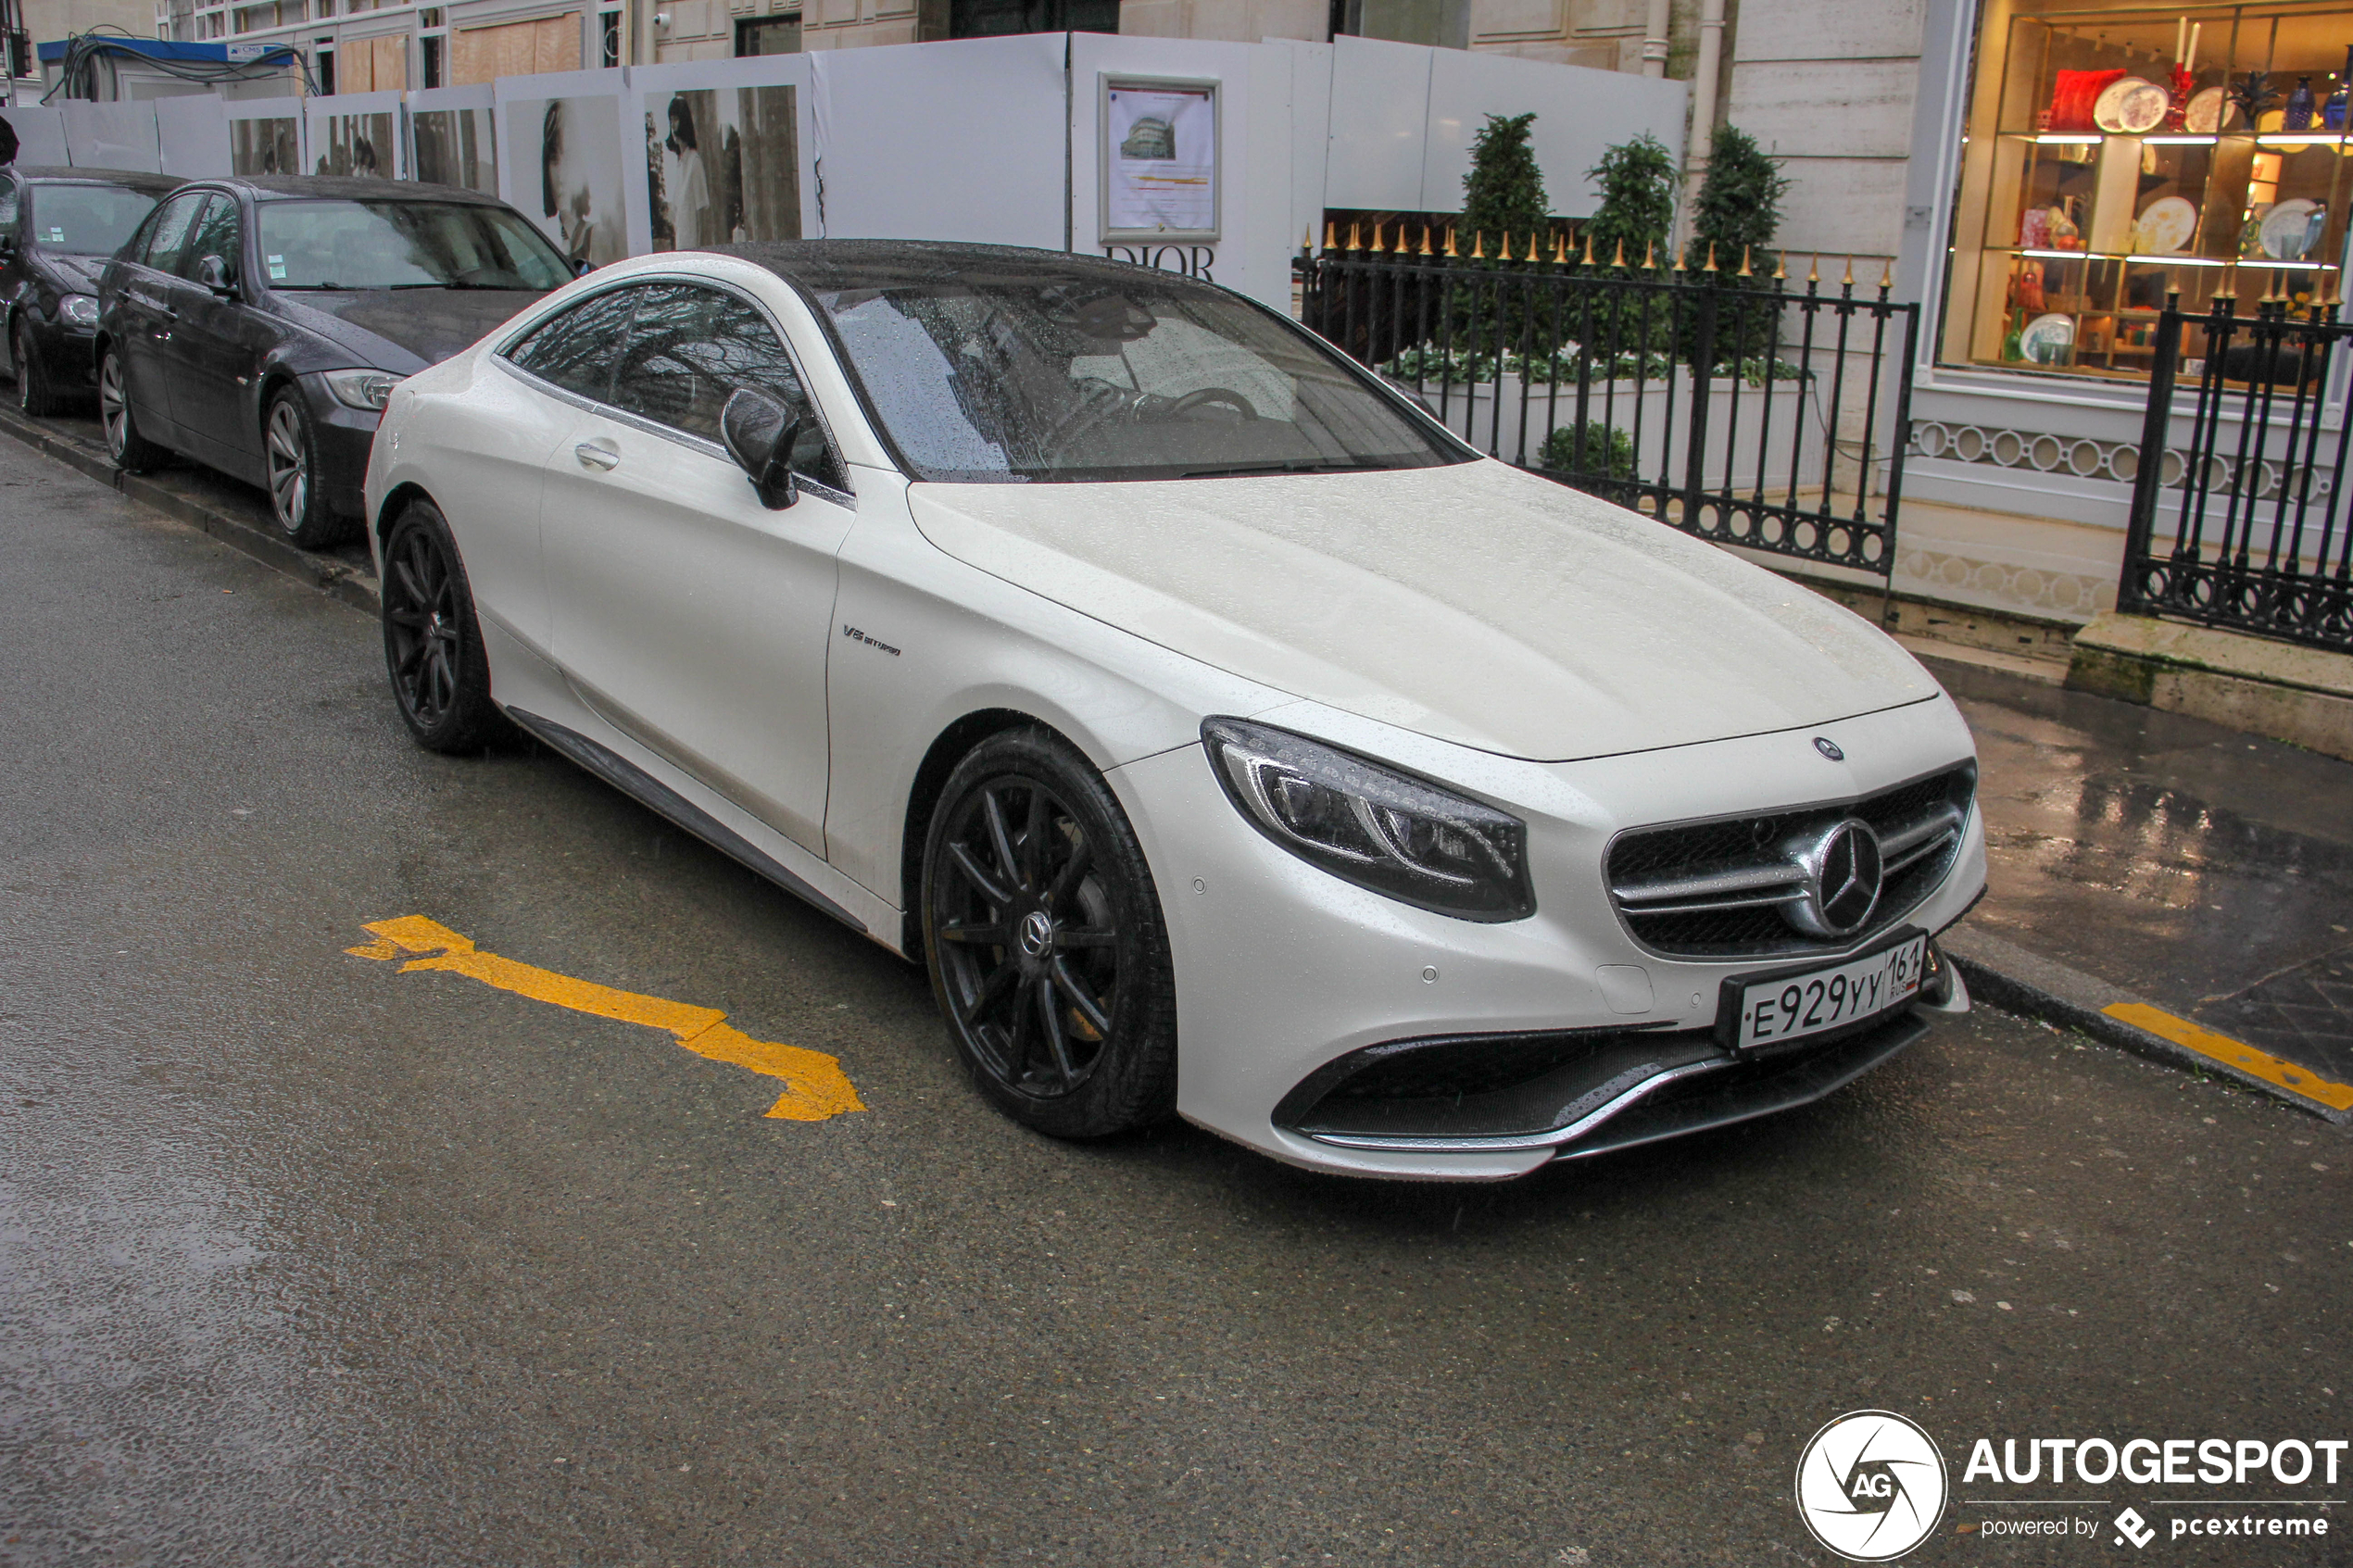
(1226, 738)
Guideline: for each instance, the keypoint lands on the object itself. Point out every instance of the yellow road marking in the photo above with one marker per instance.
(816, 1086)
(2235, 1053)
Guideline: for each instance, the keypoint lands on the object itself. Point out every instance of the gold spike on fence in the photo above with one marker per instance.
(1332, 235)
(1355, 239)
(1560, 250)
(1449, 241)
(1478, 244)
(1848, 281)
(1814, 269)
(1621, 254)
(1504, 252)
(1745, 271)
(1378, 249)
(1887, 275)
(1781, 267)
(1425, 250)
(1588, 247)
(1711, 258)
(1650, 255)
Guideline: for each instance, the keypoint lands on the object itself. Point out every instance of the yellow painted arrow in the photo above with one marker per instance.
(816, 1086)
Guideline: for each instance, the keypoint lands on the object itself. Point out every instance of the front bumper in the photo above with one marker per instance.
(68, 353)
(345, 435)
(1286, 975)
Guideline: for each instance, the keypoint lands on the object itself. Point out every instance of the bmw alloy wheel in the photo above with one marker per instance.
(289, 457)
(114, 406)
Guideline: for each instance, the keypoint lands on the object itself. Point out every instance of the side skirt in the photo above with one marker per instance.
(660, 798)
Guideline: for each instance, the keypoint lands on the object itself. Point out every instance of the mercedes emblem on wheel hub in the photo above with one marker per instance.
(1037, 934)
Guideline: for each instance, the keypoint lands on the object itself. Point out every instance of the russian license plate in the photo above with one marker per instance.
(1793, 1004)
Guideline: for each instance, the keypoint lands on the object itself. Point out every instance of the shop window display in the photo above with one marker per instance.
(2118, 154)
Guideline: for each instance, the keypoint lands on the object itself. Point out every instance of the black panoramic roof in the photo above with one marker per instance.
(830, 265)
(131, 179)
(346, 187)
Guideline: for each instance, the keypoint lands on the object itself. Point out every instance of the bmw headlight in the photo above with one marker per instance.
(78, 309)
(362, 389)
(1387, 831)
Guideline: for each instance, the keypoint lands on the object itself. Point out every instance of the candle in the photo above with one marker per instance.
(2189, 61)
(2181, 32)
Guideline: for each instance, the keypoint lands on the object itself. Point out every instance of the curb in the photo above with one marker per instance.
(2001, 972)
(338, 580)
(2024, 982)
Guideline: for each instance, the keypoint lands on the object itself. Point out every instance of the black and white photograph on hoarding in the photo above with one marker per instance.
(265, 146)
(358, 145)
(454, 147)
(723, 164)
(578, 162)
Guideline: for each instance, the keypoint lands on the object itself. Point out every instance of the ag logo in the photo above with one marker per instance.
(1870, 1485)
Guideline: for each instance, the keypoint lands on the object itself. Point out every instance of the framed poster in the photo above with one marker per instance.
(1159, 158)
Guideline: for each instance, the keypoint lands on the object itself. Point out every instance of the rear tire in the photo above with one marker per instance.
(1043, 935)
(433, 640)
(35, 396)
(129, 451)
(290, 458)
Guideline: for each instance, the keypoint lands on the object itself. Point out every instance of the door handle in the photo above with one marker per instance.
(597, 453)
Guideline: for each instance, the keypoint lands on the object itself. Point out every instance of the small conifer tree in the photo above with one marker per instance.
(1637, 184)
(1504, 193)
(1738, 213)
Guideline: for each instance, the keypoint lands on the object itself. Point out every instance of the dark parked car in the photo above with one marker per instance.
(258, 325)
(57, 226)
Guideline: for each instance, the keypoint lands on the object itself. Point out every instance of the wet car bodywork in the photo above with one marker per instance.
(50, 285)
(204, 361)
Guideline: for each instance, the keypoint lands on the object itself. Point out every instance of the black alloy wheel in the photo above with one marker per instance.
(35, 397)
(289, 453)
(433, 643)
(1045, 942)
(130, 452)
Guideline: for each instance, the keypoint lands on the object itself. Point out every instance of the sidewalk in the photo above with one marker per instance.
(2139, 857)
(2169, 885)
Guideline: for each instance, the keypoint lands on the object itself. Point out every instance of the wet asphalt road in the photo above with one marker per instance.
(307, 1261)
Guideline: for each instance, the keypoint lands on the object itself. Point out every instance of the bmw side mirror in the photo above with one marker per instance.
(581, 266)
(213, 273)
(759, 434)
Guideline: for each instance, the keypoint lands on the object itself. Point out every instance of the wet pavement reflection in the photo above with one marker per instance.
(2207, 870)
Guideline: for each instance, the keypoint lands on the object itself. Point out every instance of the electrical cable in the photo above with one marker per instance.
(78, 73)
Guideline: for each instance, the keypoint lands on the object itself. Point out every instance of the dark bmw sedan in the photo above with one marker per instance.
(258, 325)
(57, 226)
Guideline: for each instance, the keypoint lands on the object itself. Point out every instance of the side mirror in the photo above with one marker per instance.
(759, 434)
(581, 266)
(213, 273)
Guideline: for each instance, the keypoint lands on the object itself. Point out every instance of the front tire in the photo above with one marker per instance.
(432, 641)
(289, 453)
(129, 451)
(1043, 935)
(36, 398)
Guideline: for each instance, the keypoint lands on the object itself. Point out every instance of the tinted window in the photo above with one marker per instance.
(578, 349)
(215, 234)
(690, 348)
(7, 204)
(404, 245)
(1024, 376)
(168, 239)
(84, 219)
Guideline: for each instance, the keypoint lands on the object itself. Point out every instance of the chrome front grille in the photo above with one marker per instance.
(1726, 888)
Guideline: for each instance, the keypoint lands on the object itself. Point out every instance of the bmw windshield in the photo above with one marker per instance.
(404, 245)
(1018, 378)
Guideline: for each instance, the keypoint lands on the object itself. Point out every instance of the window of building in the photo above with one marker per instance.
(2095, 182)
(993, 18)
(608, 38)
(322, 66)
(769, 35)
(433, 46)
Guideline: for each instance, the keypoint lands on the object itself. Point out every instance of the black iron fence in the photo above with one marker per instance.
(1746, 409)
(2245, 526)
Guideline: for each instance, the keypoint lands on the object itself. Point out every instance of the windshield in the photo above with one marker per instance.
(403, 244)
(84, 219)
(1027, 378)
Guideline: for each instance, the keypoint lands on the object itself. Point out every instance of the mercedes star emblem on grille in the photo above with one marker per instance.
(1829, 748)
(1843, 868)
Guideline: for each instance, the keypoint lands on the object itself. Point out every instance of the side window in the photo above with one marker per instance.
(168, 239)
(691, 349)
(9, 205)
(214, 234)
(578, 349)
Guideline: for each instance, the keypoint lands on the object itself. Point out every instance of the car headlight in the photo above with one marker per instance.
(78, 309)
(1387, 831)
(362, 389)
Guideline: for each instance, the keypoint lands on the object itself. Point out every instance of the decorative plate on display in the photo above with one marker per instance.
(2047, 339)
(2165, 225)
(2131, 105)
(2207, 111)
(2288, 229)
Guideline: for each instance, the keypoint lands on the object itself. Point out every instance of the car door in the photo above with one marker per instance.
(217, 344)
(146, 313)
(692, 617)
(16, 282)
(492, 446)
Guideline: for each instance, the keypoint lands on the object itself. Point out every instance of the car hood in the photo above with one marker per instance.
(405, 330)
(73, 274)
(1473, 603)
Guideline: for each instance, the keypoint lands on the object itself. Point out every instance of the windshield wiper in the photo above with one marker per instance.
(1297, 465)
